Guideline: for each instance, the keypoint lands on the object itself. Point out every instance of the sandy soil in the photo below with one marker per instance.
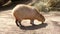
(51, 25)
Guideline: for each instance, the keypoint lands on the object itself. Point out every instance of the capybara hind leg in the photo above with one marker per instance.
(16, 22)
(32, 22)
(20, 23)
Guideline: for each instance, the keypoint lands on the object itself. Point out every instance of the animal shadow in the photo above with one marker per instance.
(33, 27)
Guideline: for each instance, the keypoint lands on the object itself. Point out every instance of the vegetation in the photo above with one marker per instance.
(41, 5)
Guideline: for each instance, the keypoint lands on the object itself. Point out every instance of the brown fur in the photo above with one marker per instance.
(27, 12)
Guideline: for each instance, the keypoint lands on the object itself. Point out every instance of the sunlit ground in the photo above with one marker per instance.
(8, 26)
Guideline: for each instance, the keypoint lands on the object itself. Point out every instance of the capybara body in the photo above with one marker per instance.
(21, 12)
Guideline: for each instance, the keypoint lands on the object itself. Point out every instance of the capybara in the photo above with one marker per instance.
(22, 11)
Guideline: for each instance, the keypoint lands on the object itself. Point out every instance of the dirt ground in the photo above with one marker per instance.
(50, 26)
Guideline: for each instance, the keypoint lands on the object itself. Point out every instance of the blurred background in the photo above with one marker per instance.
(44, 5)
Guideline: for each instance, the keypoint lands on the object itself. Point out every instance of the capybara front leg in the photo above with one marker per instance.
(42, 23)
